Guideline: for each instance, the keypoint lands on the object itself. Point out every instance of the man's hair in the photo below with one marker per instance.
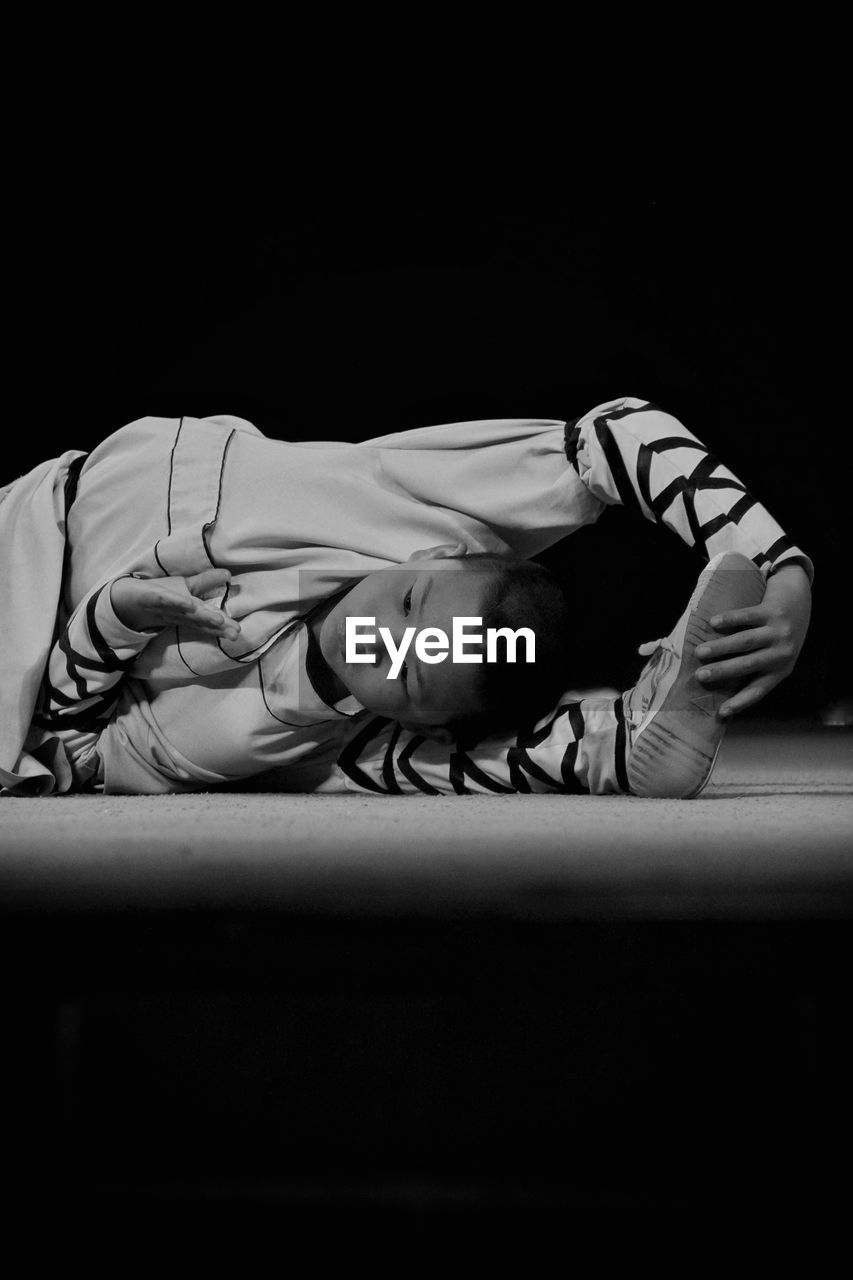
(520, 593)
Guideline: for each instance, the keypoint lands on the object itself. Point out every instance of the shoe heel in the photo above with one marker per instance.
(666, 765)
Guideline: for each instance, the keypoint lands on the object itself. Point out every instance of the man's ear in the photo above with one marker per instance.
(443, 551)
(438, 732)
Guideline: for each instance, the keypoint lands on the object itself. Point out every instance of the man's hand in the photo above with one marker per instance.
(149, 604)
(763, 643)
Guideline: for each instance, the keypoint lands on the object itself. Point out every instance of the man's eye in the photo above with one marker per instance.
(407, 601)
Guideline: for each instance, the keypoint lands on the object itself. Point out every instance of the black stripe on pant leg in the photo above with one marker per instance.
(516, 775)
(619, 747)
(571, 781)
(567, 768)
(408, 770)
(535, 770)
(577, 721)
(388, 775)
(348, 757)
(533, 739)
(461, 765)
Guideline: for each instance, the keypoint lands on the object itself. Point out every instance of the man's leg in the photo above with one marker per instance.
(660, 738)
(579, 749)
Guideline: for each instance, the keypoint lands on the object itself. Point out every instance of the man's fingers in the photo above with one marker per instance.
(733, 670)
(756, 616)
(191, 612)
(747, 697)
(207, 581)
(212, 621)
(740, 642)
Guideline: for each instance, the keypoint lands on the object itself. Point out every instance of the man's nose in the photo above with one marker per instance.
(377, 648)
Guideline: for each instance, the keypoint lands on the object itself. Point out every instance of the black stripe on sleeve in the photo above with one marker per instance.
(689, 499)
(55, 696)
(616, 463)
(781, 544)
(710, 527)
(628, 409)
(800, 560)
(666, 497)
(666, 443)
(644, 469)
(571, 437)
(740, 508)
(90, 718)
(704, 470)
(71, 660)
(108, 659)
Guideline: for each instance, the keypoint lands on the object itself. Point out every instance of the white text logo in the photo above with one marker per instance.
(432, 644)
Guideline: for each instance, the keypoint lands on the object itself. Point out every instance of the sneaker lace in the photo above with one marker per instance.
(660, 654)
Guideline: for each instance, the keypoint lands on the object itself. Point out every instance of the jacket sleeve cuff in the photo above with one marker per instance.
(122, 639)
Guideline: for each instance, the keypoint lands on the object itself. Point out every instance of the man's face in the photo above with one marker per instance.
(422, 593)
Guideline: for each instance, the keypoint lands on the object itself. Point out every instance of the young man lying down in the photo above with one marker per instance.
(181, 601)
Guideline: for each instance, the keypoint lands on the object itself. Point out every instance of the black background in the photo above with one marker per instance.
(344, 304)
(148, 1050)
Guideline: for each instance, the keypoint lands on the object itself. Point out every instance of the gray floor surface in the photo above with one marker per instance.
(772, 836)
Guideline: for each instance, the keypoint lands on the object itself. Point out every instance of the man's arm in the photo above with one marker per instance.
(95, 650)
(631, 452)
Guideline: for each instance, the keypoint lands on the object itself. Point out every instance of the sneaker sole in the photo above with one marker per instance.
(672, 758)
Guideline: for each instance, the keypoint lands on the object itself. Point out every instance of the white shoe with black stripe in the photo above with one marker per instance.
(673, 722)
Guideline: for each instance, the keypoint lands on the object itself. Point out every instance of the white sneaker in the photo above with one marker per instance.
(674, 729)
